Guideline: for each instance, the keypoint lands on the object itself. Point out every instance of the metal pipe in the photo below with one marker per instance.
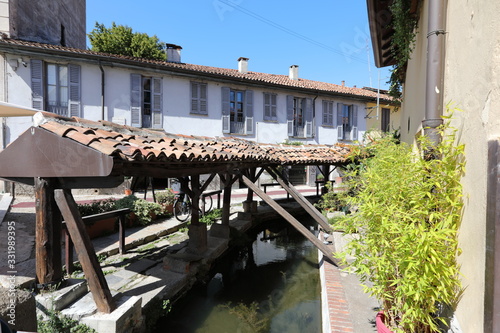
(103, 78)
(435, 70)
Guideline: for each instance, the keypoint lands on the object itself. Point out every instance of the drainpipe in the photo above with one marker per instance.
(435, 70)
(103, 77)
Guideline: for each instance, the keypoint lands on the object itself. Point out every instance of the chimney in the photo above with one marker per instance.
(173, 53)
(343, 83)
(243, 65)
(293, 73)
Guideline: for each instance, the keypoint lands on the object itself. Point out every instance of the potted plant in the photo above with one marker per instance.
(166, 200)
(407, 218)
(102, 227)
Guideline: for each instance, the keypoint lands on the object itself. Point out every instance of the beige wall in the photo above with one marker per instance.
(374, 122)
(472, 83)
(472, 68)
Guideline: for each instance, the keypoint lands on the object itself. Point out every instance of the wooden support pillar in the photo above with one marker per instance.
(296, 224)
(198, 241)
(85, 250)
(48, 233)
(315, 214)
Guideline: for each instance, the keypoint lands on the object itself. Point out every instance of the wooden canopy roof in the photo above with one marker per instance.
(85, 154)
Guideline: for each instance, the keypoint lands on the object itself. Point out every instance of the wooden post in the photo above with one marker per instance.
(48, 233)
(315, 214)
(121, 234)
(85, 250)
(296, 224)
(226, 199)
(68, 246)
(198, 238)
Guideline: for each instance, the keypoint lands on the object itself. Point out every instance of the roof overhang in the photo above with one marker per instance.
(13, 110)
(381, 29)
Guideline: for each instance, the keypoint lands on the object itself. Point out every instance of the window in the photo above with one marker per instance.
(146, 101)
(347, 122)
(270, 107)
(199, 98)
(56, 88)
(385, 120)
(299, 117)
(327, 113)
(237, 111)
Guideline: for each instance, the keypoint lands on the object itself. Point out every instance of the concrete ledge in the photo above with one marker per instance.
(124, 318)
(61, 298)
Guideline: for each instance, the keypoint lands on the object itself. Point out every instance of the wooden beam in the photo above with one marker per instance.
(85, 250)
(296, 224)
(315, 214)
(48, 233)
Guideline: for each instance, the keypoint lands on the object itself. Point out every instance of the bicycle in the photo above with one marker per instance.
(182, 206)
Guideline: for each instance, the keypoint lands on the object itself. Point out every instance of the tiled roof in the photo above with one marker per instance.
(131, 144)
(251, 77)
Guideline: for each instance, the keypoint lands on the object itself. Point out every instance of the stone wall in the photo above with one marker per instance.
(49, 21)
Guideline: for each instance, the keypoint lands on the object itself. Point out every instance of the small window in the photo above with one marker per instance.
(327, 113)
(199, 98)
(385, 120)
(270, 107)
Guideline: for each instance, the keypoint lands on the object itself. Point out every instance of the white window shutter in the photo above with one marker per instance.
(194, 97)
(249, 125)
(340, 121)
(74, 102)
(157, 114)
(225, 124)
(135, 100)
(308, 124)
(290, 127)
(274, 115)
(37, 84)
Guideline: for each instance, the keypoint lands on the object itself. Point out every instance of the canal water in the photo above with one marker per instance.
(269, 283)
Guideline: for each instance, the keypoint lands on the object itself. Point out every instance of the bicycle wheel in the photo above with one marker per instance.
(208, 203)
(182, 210)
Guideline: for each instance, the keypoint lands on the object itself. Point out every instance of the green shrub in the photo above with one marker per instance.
(409, 211)
(165, 197)
(212, 216)
(146, 211)
(57, 323)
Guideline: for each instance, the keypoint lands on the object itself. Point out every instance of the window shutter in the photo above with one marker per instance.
(354, 131)
(203, 98)
(340, 127)
(37, 84)
(289, 114)
(225, 91)
(74, 102)
(157, 114)
(248, 112)
(135, 100)
(308, 118)
(194, 98)
(267, 106)
(274, 115)
(325, 113)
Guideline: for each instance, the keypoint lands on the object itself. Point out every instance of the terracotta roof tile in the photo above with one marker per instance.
(136, 145)
(264, 78)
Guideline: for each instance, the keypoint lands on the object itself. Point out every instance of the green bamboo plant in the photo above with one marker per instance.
(407, 214)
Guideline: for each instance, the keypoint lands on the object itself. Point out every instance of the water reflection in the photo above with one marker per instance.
(269, 285)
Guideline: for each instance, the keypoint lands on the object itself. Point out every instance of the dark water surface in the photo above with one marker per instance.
(270, 284)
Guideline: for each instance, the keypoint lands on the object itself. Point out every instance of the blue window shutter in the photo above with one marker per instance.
(289, 114)
(203, 98)
(340, 126)
(308, 117)
(274, 114)
(325, 113)
(225, 93)
(195, 99)
(157, 103)
(37, 84)
(74, 102)
(354, 131)
(267, 106)
(135, 100)
(249, 112)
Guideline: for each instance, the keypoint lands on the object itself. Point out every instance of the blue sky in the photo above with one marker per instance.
(328, 39)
